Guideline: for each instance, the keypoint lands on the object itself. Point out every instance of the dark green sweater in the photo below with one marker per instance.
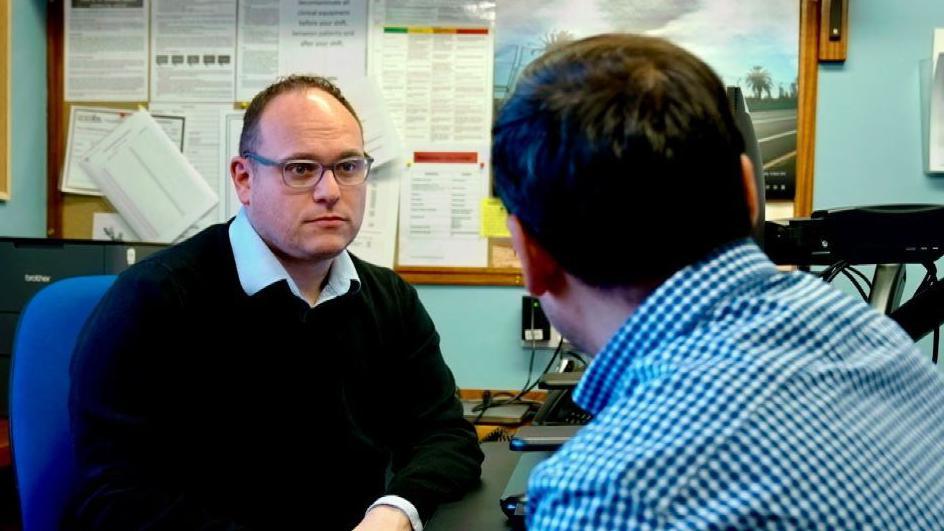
(195, 406)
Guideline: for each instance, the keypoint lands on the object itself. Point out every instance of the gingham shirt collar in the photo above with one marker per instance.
(669, 312)
(258, 267)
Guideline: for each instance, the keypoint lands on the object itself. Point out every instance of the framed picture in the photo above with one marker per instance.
(756, 49)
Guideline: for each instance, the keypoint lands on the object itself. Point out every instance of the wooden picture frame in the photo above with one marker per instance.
(60, 207)
(806, 106)
(6, 48)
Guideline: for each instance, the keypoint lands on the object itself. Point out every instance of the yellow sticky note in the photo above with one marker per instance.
(494, 218)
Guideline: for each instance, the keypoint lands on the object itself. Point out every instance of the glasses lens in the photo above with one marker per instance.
(351, 171)
(300, 172)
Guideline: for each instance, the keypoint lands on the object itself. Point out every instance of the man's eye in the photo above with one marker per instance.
(299, 169)
(348, 166)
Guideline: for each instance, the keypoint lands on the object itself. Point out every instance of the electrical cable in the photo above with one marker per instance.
(518, 397)
(861, 275)
(832, 271)
(855, 282)
(930, 279)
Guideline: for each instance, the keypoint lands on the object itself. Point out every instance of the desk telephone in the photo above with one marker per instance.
(560, 409)
(557, 421)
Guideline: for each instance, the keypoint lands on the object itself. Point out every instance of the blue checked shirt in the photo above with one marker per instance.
(739, 396)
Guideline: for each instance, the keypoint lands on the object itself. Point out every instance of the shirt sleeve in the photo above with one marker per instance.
(436, 456)
(403, 505)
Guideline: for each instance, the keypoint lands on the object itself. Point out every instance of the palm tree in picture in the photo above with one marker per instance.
(759, 80)
(524, 54)
(554, 39)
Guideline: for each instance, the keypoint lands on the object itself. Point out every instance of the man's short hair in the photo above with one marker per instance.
(249, 138)
(620, 155)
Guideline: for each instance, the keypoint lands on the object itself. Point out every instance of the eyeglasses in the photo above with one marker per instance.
(306, 174)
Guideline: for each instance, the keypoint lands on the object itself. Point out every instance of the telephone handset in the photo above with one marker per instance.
(560, 409)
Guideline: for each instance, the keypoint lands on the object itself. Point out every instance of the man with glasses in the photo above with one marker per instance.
(260, 376)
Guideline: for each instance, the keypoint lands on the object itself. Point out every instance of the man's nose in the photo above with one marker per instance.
(327, 189)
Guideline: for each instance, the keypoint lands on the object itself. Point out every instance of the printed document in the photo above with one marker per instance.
(323, 37)
(148, 180)
(87, 126)
(437, 82)
(231, 127)
(257, 47)
(106, 50)
(202, 148)
(193, 44)
(440, 209)
(377, 239)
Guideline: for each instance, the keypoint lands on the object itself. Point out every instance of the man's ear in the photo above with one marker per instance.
(240, 172)
(750, 187)
(542, 273)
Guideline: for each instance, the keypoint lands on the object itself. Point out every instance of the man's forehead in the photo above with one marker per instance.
(309, 102)
(309, 98)
(321, 99)
(293, 121)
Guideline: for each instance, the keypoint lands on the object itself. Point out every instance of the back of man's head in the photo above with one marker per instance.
(619, 154)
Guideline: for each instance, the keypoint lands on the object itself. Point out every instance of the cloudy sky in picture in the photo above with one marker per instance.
(732, 37)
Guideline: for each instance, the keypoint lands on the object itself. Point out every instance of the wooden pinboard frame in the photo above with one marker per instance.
(63, 209)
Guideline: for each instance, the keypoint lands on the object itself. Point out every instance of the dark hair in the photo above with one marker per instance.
(249, 137)
(620, 155)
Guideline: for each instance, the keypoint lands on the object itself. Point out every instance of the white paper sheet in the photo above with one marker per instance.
(327, 40)
(87, 126)
(440, 209)
(257, 47)
(148, 180)
(437, 82)
(193, 45)
(437, 12)
(202, 149)
(376, 241)
(108, 226)
(106, 44)
(936, 118)
(231, 126)
(381, 139)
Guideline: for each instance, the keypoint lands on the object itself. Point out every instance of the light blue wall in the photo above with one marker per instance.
(867, 151)
(480, 330)
(24, 214)
(869, 140)
(868, 130)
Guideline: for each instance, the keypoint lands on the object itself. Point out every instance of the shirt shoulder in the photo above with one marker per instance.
(735, 410)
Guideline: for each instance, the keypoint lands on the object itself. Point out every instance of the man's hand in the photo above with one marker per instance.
(384, 518)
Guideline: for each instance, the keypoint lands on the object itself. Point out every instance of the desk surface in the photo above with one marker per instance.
(479, 509)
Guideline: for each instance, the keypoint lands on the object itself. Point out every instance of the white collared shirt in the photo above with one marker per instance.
(259, 268)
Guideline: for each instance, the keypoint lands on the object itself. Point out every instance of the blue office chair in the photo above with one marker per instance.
(43, 459)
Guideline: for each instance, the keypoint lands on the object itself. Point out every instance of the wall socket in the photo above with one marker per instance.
(536, 329)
